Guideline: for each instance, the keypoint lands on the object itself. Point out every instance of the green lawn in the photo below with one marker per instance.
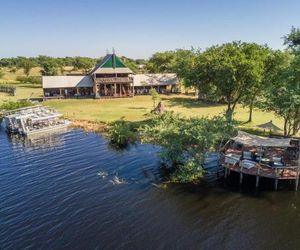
(23, 91)
(137, 108)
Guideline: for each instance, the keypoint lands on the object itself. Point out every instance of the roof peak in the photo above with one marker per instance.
(113, 62)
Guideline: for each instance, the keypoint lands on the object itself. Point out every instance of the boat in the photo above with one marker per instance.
(262, 157)
(33, 120)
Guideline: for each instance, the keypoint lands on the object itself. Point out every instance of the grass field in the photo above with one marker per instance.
(137, 108)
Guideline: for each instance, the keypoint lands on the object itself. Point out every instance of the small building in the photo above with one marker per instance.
(108, 79)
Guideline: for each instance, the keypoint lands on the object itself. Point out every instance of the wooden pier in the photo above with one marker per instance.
(261, 170)
(274, 158)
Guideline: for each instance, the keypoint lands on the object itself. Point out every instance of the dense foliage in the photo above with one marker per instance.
(184, 142)
(34, 80)
(10, 105)
(121, 133)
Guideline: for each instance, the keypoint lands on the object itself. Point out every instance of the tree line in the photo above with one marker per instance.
(242, 73)
(57, 65)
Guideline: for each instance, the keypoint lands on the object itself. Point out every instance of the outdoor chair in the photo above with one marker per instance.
(247, 155)
(232, 159)
(277, 162)
(247, 164)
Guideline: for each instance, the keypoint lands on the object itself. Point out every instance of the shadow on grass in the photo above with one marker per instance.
(31, 86)
(190, 102)
(136, 108)
(260, 132)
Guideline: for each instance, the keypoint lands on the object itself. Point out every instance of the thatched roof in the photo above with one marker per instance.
(254, 140)
(269, 125)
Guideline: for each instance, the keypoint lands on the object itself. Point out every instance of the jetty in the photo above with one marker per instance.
(262, 157)
(33, 120)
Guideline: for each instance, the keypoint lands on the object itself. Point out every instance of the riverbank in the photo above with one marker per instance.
(89, 126)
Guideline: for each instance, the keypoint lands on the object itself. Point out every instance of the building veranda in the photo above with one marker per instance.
(111, 78)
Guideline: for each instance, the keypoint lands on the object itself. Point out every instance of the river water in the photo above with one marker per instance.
(73, 191)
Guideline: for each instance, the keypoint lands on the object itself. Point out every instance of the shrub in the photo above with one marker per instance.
(121, 133)
(10, 105)
(35, 80)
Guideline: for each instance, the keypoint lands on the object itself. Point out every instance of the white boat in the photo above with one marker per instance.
(34, 120)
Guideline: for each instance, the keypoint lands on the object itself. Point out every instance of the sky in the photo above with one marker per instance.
(139, 28)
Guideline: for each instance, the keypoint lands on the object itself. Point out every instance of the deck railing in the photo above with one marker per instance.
(8, 89)
(114, 80)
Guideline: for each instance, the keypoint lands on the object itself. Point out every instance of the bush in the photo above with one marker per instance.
(35, 80)
(10, 105)
(121, 133)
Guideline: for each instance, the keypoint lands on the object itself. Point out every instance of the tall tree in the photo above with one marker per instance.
(49, 68)
(292, 40)
(282, 93)
(83, 63)
(161, 62)
(27, 64)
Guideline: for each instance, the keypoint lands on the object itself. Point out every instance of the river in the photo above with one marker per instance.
(73, 191)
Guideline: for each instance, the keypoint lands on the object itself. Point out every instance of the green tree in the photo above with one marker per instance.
(27, 64)
(234, 69)
(282, 93)
(49, 68)
(253, 93)
(184, 142)
(292, 40)
(161, 62)
(154, 96)
(83, 63)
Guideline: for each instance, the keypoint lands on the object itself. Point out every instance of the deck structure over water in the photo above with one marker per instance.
(274, 158)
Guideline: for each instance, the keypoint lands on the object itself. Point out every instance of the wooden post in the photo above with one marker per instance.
(105, 89)
(276, 184)
(60, 92)
(257, 177)
(297, 180)
(132, 87)
(115, 91)
(297, 177)
(241, 175)
(276, 179)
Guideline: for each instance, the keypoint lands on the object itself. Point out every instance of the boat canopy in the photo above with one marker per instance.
(254, 140)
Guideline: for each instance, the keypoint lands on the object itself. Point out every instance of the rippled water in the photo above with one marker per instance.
(72, 191)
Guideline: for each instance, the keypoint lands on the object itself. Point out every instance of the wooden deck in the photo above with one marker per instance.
(262, 170)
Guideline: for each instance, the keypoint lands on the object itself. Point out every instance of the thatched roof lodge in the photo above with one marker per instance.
(108, 79)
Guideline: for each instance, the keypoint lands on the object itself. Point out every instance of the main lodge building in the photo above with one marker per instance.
(108, 79)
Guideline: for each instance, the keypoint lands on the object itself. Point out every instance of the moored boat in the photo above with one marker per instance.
(33, 120)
